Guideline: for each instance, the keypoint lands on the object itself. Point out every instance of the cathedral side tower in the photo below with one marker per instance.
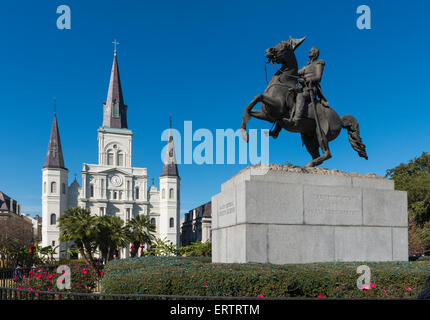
(170, 195)
(54, 189)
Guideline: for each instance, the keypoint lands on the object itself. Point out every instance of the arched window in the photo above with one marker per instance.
(137, 192)
(44, 187)
(120, 159)
(163, 194)
(172, 223)
(63, 188)
(171, 193)
(110, 158)
(114, 195)
(91, 190)
(53, 187)
(53, 218)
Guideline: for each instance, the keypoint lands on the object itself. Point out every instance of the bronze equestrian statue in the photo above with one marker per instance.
(293, 100)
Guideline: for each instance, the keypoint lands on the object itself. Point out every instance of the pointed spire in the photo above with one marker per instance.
(170, 167)
(54, 156)
(114, 109)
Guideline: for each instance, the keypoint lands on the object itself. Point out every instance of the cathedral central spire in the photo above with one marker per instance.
(114, 109)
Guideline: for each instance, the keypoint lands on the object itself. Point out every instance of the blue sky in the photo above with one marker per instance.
(203, 61)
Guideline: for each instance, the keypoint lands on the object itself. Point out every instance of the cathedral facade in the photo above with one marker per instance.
(112, 186)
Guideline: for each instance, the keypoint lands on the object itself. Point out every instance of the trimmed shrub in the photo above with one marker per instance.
(188, 276)
(197, 249)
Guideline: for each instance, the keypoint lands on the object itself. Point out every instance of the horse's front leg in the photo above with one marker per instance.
(247, 112)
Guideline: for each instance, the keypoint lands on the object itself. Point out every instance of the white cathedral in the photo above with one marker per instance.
(113, 186)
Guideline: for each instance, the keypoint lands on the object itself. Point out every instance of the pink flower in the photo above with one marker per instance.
(320, 296)
(15, 278)
(40, 270)
(206, 284)
(260, 296)
(384, 291)
(409, 289)
(373, 285)
(36, 294)
(364, 287)
(85, 272)
(102, 273)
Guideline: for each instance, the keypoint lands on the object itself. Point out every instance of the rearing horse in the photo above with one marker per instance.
(277, 106)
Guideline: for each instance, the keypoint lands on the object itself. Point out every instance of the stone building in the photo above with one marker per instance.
(196, 225)
(112, 186)
(13, 224)
(37, 227)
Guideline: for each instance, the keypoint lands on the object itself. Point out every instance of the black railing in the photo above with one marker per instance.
(20, 294)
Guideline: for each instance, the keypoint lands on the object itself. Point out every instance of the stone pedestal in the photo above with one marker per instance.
(280, 214)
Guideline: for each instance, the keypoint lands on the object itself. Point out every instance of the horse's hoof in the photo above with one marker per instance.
(245, 135)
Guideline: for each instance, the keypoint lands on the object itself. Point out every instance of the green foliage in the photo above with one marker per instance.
(414, 177)
(197, 249)
(162, 248)
(188, 276)
(140, 231)
(77, 225)
(106, 234)
(109, 234)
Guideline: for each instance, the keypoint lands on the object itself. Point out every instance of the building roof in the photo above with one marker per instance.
(207, 210)
(170, 168)
(54, 156)
(4, 202)
(114, 109)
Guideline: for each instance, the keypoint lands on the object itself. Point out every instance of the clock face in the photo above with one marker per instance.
(116, 180)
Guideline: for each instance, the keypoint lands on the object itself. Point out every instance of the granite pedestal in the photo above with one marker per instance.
(281, 214)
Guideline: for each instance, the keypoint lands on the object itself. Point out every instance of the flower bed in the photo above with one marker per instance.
(186, 276)
(83, 279)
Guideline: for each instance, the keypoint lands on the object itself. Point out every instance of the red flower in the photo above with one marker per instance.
(260, 296)
(206, 284)
(320, 296)
(102, 273)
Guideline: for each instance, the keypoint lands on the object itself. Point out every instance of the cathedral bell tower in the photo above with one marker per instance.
(54, 189)
(170, 195)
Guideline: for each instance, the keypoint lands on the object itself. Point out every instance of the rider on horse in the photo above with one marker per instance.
(309, 81)
(310, 78)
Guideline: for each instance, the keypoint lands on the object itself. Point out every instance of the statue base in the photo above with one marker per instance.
(283, 214)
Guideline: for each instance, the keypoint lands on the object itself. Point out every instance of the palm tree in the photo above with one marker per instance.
(79, 226)
(111, 235)
(140, 232)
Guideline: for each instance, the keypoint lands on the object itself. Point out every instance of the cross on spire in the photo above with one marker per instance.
(170, 121)
(115, 44)
(55, 105)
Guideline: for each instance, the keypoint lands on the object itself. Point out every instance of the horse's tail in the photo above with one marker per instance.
(351, 124)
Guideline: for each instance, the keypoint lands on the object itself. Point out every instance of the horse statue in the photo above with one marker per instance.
(317, 122)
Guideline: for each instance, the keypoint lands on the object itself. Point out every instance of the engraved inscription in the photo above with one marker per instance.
(333, 204)
(226, 209)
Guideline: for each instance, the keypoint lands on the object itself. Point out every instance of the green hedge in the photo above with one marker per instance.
(196, 276)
